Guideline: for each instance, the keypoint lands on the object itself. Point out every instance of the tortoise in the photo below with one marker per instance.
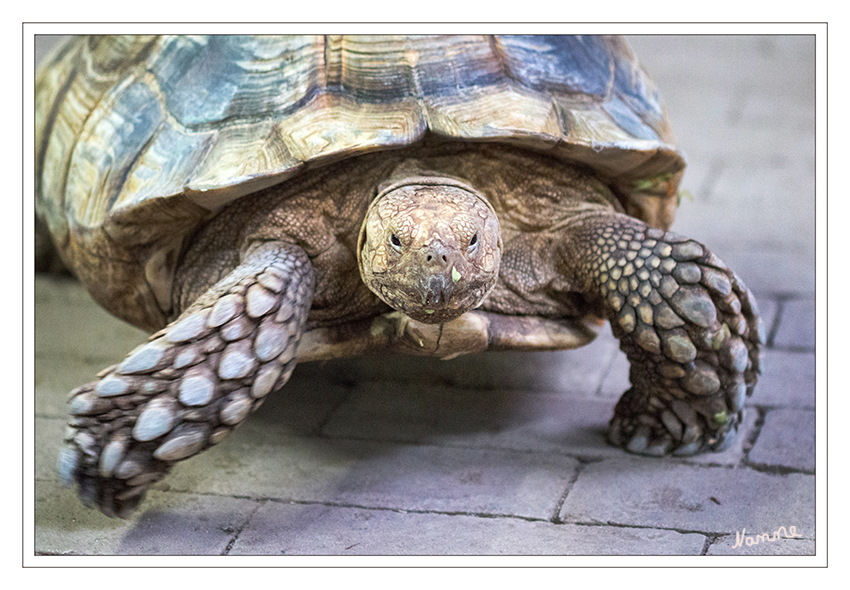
(257, 201)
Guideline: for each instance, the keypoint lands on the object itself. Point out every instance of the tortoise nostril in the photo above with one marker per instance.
(435, 255)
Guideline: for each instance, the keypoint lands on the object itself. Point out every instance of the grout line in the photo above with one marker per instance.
(777, 319)
(486, 515)
(238, 532)
(556, 519)
(778, 469)
(750, 442)
(790, 348)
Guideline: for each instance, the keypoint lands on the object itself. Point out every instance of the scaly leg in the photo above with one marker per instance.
(687, 324)
(192, 383)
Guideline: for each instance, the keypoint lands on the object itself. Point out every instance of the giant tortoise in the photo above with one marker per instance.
(256, 201)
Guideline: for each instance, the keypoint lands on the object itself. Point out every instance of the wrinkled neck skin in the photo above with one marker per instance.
(430, 247)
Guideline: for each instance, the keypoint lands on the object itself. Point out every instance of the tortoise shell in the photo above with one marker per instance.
(141, 139)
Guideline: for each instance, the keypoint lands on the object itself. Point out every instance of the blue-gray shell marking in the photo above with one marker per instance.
(140, 139)
(205, 116)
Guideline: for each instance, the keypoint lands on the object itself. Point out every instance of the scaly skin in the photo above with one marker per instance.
(688, 325)
(192, 383)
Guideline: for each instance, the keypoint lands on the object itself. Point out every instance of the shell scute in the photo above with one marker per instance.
(141, 138)
(242, 110)
(562, 65)
(115, 137)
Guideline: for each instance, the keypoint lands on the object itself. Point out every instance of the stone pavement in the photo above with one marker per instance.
(504, 453)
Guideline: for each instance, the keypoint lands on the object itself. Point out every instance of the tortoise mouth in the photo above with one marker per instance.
(439, 300)
(433, 316)
(436, 292)
(436, 298)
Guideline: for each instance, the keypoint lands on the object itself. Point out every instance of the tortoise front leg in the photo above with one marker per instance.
(687, 324)
(192, 383)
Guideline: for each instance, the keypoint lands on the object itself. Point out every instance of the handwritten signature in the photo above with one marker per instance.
(742, 538)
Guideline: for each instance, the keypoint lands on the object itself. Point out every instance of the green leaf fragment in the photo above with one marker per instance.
(684, 194)
(644, 184)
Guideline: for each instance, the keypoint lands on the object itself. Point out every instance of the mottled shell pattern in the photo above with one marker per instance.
(141, 139)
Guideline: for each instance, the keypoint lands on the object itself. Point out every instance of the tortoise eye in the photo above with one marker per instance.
(395, 241)
(473, 241)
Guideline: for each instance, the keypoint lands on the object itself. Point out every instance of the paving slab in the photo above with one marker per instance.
(541, 422)
(65, 311)
(796, 325)
(730, 201)
(48, 433)
(738, 80)
(299, 529)
(381, 475)
(63, 528)
(167, 524)
(787, 379)
(786, 440)
(658, 494)
(616, 380)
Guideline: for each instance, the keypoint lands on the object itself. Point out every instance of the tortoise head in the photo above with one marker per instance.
(430, 247)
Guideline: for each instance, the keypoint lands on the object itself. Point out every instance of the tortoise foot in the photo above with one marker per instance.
(113, 470)
(117, 445)
(689, 327)
(648, 426)
(191, 384)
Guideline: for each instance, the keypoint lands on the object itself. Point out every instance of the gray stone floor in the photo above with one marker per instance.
(504, 453)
